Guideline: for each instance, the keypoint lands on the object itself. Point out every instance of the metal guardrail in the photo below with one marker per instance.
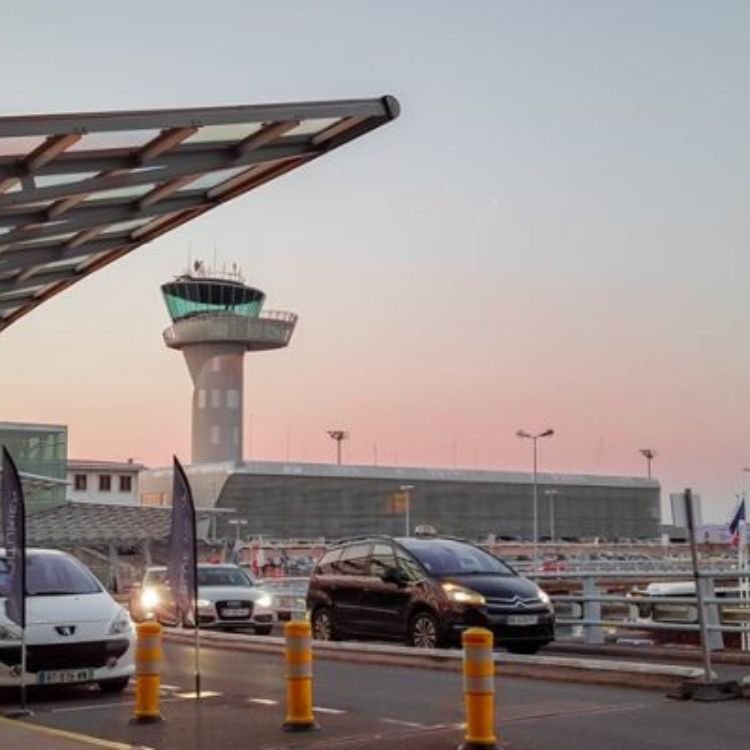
(588, 609)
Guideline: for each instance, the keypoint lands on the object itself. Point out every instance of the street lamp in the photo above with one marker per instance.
(339, 436)
(534, 438)
(649, 455)
(406, 489)
(551, 495)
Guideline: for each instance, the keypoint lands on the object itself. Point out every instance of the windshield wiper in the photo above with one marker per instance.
(59, 593)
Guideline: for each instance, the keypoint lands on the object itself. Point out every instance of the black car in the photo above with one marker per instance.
(425, 591)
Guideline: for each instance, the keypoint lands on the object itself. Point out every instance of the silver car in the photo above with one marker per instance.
(227, 598)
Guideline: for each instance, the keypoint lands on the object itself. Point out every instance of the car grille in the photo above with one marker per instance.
(227, 606)
(86, 655)
(514, 604)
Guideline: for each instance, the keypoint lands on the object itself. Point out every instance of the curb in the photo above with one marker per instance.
(560, 668)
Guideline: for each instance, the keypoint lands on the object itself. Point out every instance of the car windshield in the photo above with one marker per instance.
(52, 575)
(446, 557)
(222, 577)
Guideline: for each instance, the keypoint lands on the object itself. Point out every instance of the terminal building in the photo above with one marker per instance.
(313, 501)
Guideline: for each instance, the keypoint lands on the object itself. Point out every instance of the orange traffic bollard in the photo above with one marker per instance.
(148, 659)
(479, 690)
(299, 713)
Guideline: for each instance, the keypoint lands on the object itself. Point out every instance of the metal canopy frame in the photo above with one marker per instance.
(79, 191)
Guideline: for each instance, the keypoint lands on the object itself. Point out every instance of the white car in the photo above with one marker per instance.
(227, 599)
(75, 631)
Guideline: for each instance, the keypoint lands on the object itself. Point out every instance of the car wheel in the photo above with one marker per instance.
(114, 686)
(323, 628)
(424, 631)
(263, 630)
(524, 648)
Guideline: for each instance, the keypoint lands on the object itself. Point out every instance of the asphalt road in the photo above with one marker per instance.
(366, 706)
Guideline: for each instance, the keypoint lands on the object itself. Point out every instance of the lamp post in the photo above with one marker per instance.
(551, 495)
(534, 438)
(649, 455)
(406, 489)
(339, 436)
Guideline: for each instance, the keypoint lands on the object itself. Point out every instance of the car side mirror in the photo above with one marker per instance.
(393, 575)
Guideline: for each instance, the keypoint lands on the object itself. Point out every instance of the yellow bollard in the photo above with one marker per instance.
(299, 713)
(148, 659)
(479, 690)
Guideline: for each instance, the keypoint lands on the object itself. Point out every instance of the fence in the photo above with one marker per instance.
(600, 603)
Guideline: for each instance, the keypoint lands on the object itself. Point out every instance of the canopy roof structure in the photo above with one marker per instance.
(92, 524)
(78, 191)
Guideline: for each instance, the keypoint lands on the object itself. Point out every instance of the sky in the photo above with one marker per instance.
(553, 234)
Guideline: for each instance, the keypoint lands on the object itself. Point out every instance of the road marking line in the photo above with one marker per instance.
(322, 710)
(401, 723)
(96, 706)
(263, 701)
(194, 696)
(91, 707)
(75, 736)
(169, 687)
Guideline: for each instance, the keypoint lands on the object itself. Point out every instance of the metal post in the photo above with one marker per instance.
(552, 516)
(698, 587)
(406, 490)
(536, 515)
(592, 611)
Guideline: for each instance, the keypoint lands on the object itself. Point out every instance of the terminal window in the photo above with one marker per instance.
(126, 484)
(105, 483)
(80, 482)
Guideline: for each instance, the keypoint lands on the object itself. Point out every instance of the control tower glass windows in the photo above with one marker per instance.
(188, 296)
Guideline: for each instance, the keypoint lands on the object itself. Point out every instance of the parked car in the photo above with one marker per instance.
(75, 632)
(288, 596)
(227, 598)
(425, 591)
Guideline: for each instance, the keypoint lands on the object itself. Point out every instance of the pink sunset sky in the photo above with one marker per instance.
(553, 234)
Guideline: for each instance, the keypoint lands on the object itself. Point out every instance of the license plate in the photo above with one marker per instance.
(61, 676)
(523, 619)
(236, 612)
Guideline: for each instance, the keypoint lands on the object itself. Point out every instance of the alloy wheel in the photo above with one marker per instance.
(424, 632)
(322, 626)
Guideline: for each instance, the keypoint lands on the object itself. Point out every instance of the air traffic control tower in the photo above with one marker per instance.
(216, 318)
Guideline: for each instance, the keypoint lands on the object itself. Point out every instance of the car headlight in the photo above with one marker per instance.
(150, 598)
(204, 603)
(264, 600)
(121, 624)
(462, 595)
(544, 597)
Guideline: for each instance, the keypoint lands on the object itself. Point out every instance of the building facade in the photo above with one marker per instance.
(40, 452)
(312, 501)
(104, 482)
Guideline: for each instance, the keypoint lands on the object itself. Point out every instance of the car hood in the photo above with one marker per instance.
(80, 608)
(492, 585)
(224, 593)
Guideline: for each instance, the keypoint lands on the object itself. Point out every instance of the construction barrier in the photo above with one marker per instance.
(479, 690)
(299, 713)
(148, 659)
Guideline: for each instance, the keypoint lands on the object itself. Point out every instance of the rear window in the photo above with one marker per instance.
(447, 557)
(52, 575)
